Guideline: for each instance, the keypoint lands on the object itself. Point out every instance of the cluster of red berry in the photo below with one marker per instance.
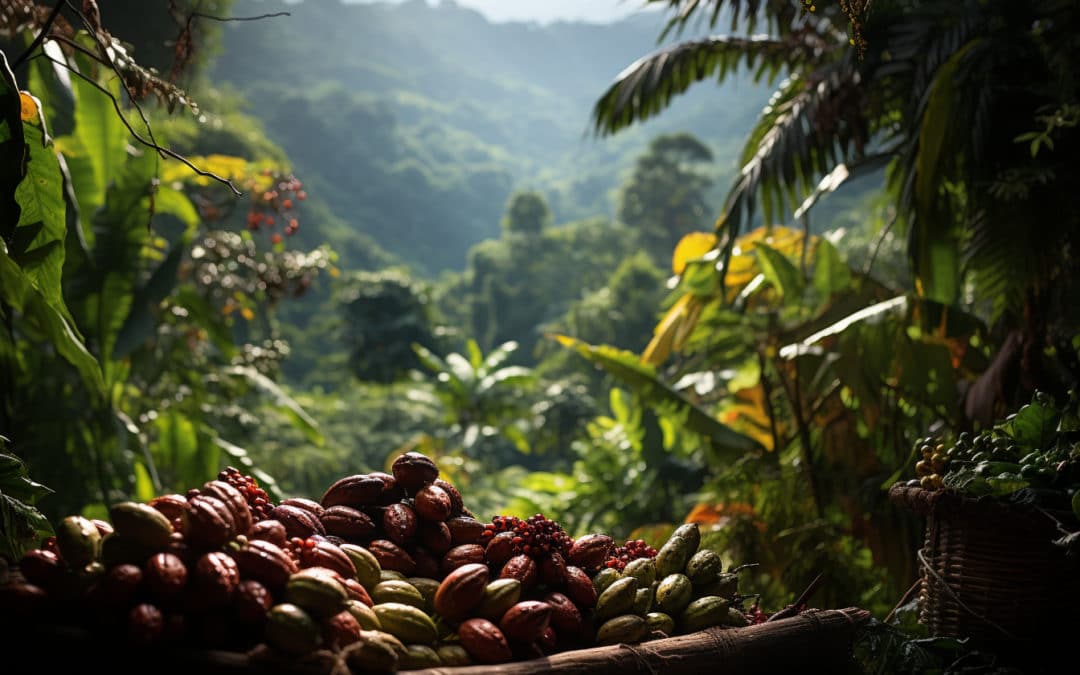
(631, 550)
(297, 547)
(535, 537)
(756, 615)
(277, 202)
(257, 499)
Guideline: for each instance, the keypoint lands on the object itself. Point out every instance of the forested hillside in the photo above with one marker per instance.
(415, 123)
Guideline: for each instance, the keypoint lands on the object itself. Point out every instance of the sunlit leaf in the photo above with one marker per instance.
(642, 378)
(691, 247)
(831, 274)
(780, 272)
(17, 291)
(282, 401)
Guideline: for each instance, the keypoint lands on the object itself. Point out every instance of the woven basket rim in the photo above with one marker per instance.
(947, 502)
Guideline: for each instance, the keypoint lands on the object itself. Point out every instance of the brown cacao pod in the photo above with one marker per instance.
(579, 588)
(553, 570)
(236, 502)
(251, 602)
(500, 548)
(392, 557)
(22, 601)
(356, 590)
(264, 562)
(590, 552)
(146, 625)
(325, 554)
(427, 565)
(270, 530)
(523, 568)
(347, 523)
(399, 523)
(462, 555)
(104, 528)
(298, 522)
(120, 585)
(310, 505)
(215, 579)
(392, 492)
(340, 630)
(413, 471)
(42, 568)
(461, 590)
(456, 505)
(354, 491)
(165, 576)
(526, 621)
(484, 641)
(465, 530)
(171, 506)
(565, 616)
(435, 537)
(432, 503)
(210, 522)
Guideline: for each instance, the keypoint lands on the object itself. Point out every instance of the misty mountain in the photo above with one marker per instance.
(415, 123)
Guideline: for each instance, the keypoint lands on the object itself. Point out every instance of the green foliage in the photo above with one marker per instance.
(665, 197)
(384, 314)
(22, 525)
(164, 373)
(424, 106)
(527, 213)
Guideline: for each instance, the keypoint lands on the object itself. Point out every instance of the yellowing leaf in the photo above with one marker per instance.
(247, 313)
(28, 107)
(226, 166)
(660, 346)
(691, 247)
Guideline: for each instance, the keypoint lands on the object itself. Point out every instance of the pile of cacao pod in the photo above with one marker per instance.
(387, 572)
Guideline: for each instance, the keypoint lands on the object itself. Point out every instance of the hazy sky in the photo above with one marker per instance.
(549, 10)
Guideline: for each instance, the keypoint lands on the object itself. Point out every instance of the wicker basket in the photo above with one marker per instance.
(989, 571)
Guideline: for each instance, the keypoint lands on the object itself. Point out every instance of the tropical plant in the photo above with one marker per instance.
(971, 105)
(110, 269)
(482, 398)
(665, 196)
(383, 315)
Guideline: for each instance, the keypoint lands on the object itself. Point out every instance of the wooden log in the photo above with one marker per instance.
(816, 641)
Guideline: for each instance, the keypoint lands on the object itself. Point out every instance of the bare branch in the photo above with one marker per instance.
(146, 142)
(200, 15)
(40, 36)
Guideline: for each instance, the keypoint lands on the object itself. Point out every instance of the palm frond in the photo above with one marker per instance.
(811, 124)
(743, 15)
(647, 86)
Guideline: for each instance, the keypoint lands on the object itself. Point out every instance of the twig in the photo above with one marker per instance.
(903, 600)
(40, 37)
(104, 58)
(211, 17)
(793, 608)
(163, 150)
(877, 244)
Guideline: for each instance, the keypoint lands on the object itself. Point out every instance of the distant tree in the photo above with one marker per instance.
(526, 213)
(665, 197)
(384, 314)
(623, 313)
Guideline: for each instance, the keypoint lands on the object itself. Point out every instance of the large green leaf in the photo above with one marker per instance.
(17, 291)
(647, 86)
(12, 149)
(140, 324)
(831, 273)
(282, 401)
(96, 148)
(642, 378)
(41, 197)
(780, 272)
